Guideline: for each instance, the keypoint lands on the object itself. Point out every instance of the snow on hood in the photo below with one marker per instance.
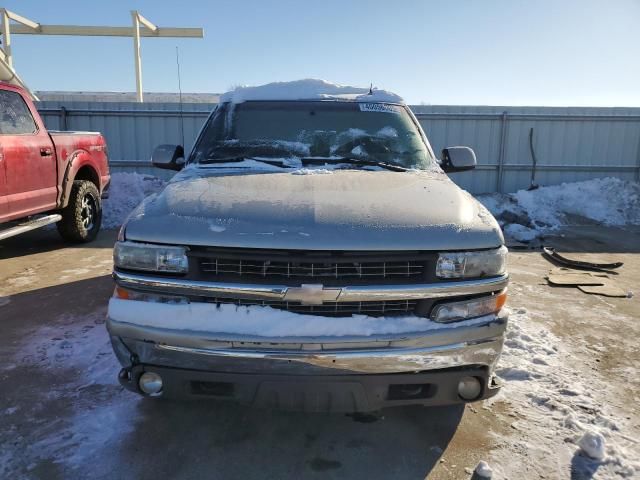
(309, 89)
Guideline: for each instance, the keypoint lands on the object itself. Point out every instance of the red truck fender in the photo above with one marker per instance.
(81, 165)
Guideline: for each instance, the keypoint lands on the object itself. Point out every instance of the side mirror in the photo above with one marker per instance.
(458, 159)
(169, 157)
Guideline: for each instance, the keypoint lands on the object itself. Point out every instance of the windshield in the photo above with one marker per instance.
(328, 130)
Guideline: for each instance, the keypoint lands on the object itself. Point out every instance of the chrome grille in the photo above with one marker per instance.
(307, 270)
(330, 309)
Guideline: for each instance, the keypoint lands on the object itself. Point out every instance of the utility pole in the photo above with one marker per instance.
(136, 55)
(141, 27)
(6, 39)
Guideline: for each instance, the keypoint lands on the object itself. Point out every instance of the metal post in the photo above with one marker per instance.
(7, 38)
(136, 54)
(501, 152)
(638, 163)
(63, 118)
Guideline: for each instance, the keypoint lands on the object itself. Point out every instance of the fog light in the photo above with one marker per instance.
(469, 388)
(150, 383)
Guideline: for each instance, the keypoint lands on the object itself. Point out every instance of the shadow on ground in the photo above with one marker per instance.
(240, 442)
(595, 239)
(47, 240)
(583, 467)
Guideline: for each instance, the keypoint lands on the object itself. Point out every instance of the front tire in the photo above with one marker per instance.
(82, 217)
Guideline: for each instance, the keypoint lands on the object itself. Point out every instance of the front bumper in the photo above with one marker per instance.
(326, 373)
(317, 393)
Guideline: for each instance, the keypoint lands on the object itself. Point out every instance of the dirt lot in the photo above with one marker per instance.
(570, 366)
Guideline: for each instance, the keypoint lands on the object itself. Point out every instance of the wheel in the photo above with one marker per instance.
(82, 217)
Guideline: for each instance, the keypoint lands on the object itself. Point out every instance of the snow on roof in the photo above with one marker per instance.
(309, 89)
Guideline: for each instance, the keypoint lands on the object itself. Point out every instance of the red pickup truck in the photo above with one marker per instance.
(48, 177)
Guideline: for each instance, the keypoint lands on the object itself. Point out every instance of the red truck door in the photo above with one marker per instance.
(29, 160)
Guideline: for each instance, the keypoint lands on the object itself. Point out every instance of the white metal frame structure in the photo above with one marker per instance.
(141, 27)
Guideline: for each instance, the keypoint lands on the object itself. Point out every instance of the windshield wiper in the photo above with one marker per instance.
(240, 158)
(394, 167)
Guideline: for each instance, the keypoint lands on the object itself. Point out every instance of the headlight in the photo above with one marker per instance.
(456, 311)
(487, 263)
(152, 258)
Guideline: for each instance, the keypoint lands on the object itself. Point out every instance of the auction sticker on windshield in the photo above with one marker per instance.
(379, 107)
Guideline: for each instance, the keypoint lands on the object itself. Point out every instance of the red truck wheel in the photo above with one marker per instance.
(82, 217)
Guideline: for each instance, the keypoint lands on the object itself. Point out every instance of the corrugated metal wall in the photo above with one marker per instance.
(571, 144)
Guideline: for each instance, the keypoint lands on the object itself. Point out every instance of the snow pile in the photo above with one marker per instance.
(483, 470)
(308, 89)
(127, 190)
(592, 443)
(265, 321)
(520, 232)
(525, 214)
(562, 413)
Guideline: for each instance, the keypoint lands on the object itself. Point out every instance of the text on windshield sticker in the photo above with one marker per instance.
(379, 107)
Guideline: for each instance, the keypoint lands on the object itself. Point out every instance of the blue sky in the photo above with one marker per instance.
(491, 52)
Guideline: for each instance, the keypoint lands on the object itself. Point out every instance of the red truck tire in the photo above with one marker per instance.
(82, 217)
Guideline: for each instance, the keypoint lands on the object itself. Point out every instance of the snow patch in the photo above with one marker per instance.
(593, 444)
(358, 151)
(388, 132)
(483, 470)
(608, 200)
(520, 232)
(562, 411)
(308, 89)
(126, 192)
(312, 171)
(526, 214)
(79, 348)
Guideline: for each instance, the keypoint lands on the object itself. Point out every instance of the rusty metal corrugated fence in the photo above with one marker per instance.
(570, 144)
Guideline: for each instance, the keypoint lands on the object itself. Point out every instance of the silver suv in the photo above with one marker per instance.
(311, 255)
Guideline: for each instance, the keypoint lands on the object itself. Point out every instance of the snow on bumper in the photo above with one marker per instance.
(264, 340)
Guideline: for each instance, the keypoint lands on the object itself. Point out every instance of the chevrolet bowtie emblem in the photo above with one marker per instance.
(312, 294)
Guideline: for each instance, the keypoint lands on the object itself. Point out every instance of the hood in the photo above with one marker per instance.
(315, 210)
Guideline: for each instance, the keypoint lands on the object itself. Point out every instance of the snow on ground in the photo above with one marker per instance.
(564, 421)
(308, 89)
(77, 353)
(483, 470)
(527, 214)
(127, 190)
